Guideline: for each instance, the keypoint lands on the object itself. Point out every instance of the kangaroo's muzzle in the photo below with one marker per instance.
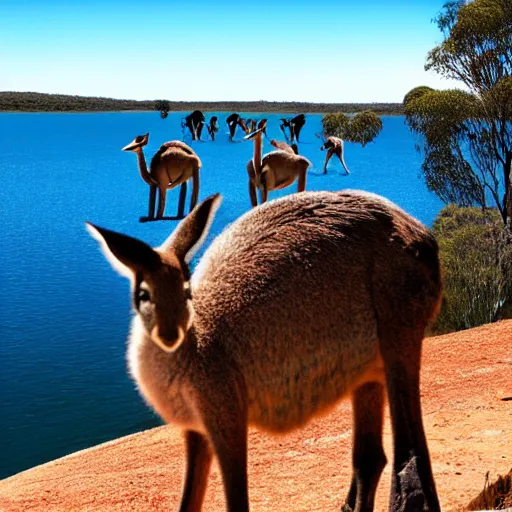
(169, 341)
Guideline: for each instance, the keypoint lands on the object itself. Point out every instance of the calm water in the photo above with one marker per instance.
(64, 313)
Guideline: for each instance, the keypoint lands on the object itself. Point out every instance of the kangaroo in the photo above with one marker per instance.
(335, 146)
(275, 170)
(302, 301)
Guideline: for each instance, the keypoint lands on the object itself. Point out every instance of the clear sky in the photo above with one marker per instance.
(314, 50)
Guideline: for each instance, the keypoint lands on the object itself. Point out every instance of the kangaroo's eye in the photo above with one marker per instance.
(143, 295)
(143, 301)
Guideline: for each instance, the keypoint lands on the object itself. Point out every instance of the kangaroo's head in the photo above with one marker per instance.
(262, 125)
(254, 134)
(327, 144)
(160, 277)
(138, 143)
(242, 125)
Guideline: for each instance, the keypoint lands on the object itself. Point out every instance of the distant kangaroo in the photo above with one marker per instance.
(300, 302)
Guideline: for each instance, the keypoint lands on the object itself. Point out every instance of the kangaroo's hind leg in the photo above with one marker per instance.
(368, 457)
(328, 156)
(412, 487)
(162, 191)
(263, 188)
(181, 201)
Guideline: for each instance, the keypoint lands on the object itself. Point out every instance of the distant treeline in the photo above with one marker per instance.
(39, 102)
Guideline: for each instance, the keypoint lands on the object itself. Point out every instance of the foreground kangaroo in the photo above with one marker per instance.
(300, 302)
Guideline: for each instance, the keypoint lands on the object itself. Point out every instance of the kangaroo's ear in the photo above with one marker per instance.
(193, 229)
(126, 254)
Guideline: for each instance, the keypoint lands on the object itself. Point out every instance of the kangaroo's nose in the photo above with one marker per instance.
(169, 340)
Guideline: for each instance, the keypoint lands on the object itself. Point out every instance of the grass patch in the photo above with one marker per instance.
(495, 496)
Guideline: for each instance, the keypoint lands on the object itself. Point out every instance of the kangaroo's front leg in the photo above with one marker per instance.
(195, 188)
(252, 194)
(368, 458)
(152, 201)
(199, 130)
(231, 449)
(199, 459)
(225, 420)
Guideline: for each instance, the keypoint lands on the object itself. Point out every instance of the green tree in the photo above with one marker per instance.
(163, 106)
(466, 136)
(361, 128)
(476, 262)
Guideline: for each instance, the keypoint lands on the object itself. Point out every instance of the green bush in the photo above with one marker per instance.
(364, 127)
(335, 124)
(361, 128)
(476, 261)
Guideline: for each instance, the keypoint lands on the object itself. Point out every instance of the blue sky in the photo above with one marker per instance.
(332, 51)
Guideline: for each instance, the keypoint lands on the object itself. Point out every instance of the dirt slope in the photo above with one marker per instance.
(469, 429)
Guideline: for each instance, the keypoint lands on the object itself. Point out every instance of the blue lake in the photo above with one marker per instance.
(64, 312)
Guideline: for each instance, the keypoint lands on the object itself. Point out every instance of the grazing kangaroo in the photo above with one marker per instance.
(335, 146)
(299, 303)
(173, 164)
(275, 170)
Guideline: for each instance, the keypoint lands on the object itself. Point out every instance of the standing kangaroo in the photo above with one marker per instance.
(300, 302)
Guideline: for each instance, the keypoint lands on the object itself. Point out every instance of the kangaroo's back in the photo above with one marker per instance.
(283, 167)
(300, 288)
(346, 240)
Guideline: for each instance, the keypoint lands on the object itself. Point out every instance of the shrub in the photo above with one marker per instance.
(476, 261)
(361, 128)
(335, 124)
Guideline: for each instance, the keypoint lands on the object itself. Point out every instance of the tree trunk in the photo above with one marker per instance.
(508, 192)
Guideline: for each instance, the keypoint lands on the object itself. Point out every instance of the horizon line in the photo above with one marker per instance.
(208, 101)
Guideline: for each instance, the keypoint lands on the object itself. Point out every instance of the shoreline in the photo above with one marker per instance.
(32, 102)
(242, 111)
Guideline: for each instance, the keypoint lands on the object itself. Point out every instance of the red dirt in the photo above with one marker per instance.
(469, 429)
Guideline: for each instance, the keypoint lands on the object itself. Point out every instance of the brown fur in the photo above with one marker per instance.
(284, 146)
(299, 303)
(172, 165)
(276, 170)
(334, 146)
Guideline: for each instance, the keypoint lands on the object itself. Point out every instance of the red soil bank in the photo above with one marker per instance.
(465, 377)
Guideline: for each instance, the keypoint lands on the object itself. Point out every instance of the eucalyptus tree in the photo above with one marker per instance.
(163, 106)
(361, 128)
(466, 135)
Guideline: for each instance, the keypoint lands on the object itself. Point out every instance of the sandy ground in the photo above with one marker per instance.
(465, 377)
